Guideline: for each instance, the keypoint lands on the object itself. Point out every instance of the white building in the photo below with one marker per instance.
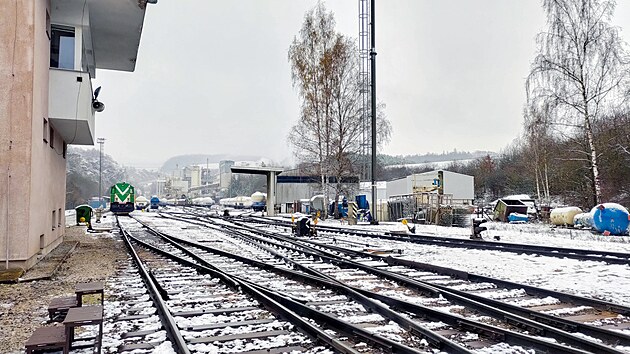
(49, 53)
(460, 186)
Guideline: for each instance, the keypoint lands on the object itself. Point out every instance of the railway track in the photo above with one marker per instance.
(421, 300)
(205, 311)
(457, 242)
(590, 317)
(343, 318)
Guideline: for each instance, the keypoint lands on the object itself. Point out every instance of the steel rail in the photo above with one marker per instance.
(168, 321)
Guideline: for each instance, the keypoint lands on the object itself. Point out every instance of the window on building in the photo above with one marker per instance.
(45, 132)
(51, 137)
(59, 217)
(62, 47)
(54, 219)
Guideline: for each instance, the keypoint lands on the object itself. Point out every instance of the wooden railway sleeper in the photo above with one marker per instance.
(314, 332)
(552, 322)
(531, 328)
(370, 338)
(471, 327)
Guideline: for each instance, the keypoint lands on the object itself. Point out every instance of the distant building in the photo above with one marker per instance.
(459, 186)
(49, 53)
(225, 173)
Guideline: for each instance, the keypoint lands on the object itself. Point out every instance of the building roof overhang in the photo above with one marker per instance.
(256, 170)
(111, 29)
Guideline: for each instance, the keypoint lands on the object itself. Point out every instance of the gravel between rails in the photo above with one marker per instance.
(23, 306)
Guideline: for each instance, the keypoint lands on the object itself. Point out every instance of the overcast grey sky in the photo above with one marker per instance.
(213, 77)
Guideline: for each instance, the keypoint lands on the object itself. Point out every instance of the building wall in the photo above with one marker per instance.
(32, 180)
(195, 176)
(398, 187)
(290, 192)
(459, 185)
(225, 173)
(48, 166)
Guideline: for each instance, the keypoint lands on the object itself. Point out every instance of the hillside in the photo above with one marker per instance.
(424, 159)
(83, 171)
(200, 159)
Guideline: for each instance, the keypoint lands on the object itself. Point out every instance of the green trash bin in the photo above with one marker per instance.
(83, 212)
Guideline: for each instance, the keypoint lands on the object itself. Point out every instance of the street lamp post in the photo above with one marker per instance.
(100, 141)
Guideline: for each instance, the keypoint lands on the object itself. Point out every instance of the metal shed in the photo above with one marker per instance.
(505, 207)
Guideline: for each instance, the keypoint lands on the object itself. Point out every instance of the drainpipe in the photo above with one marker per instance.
(7, 236)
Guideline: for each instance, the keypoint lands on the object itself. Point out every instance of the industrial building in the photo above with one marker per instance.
(49, 53)
(433, 197)
(458, 187)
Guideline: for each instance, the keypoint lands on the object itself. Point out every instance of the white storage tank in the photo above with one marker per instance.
(564, 216)
(258, 197)
(583, 220)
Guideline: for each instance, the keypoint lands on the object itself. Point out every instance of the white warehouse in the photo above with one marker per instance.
(460, 186)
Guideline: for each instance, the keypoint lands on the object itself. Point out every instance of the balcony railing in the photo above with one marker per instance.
(70, 106)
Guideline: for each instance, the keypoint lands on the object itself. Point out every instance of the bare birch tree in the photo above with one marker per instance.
(325, 72)
(579, 74)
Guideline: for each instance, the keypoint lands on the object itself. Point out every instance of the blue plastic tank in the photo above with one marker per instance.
(362, 202)
(516, 218)
(611, 217)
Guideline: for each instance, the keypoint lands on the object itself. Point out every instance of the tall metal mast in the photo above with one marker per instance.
(364, 86)
(373, 99)
(367, 81)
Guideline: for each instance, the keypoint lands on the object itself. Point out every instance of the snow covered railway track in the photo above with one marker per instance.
(615, 340)
(209, 316)
(468, 325)
(458, 242)
(130, 314)
(349, 322)
(600, 321)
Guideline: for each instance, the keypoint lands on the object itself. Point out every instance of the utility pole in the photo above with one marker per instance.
(100, 141)
(373, 87)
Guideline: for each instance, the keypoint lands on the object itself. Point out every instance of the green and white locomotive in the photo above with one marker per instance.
(122, 198)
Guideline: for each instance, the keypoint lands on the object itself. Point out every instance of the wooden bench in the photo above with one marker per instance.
(94, 288)
(45, 338)
(84, 316)
(58, 307)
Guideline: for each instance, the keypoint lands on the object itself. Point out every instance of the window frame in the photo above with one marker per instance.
(55, 39)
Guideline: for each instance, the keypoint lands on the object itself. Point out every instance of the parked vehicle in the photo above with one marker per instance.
(155, 202)
(122, 198)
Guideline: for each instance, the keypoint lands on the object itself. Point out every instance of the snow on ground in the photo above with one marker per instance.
(533, 233)
(586, 278)
(610, 282)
